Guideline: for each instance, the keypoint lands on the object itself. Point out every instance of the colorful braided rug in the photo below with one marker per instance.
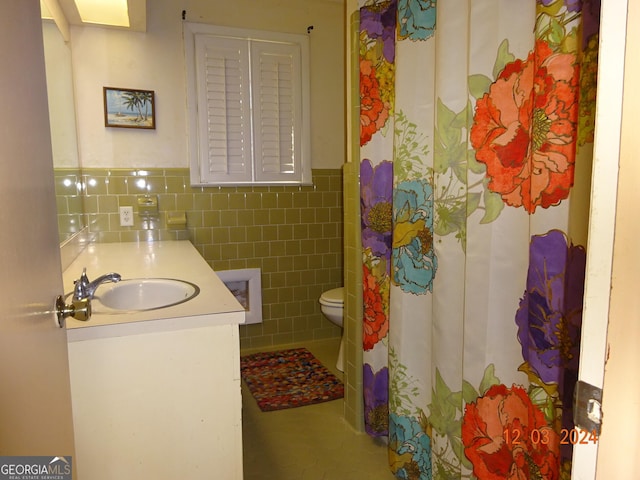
(288, 379)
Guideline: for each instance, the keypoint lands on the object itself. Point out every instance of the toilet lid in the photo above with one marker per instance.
(334, 296)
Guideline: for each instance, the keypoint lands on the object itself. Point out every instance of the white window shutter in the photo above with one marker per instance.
(277, 101)
(248, 106)
(223, 89)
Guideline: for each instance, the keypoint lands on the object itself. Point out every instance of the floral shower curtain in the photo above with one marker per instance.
(476, 142)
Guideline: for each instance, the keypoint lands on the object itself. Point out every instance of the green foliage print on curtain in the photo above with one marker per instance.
(473, 281)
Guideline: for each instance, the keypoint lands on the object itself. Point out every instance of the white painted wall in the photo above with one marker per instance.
(155, 61)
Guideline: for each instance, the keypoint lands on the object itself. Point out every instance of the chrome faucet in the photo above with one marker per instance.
(86, 289)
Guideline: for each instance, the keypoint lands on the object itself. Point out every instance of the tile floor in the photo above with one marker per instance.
(308, 443)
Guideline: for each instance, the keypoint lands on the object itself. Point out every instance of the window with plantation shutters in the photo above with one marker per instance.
(248, 106)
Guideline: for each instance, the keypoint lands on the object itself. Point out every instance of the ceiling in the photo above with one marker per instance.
(137, 14)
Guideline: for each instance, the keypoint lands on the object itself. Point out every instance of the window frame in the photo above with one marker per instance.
(197, 106)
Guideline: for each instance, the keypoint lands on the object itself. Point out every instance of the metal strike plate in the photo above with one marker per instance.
(587, 407)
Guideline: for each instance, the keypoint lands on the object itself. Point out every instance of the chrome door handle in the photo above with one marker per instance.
(78, 309)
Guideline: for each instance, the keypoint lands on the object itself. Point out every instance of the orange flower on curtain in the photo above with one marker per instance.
(525, 129)
(374, 112)
(375, 325)
(505, 436)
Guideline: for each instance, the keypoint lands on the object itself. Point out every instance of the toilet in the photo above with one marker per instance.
(332, 306)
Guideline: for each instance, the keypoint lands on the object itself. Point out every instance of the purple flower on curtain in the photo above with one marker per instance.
(549, 318)
(412, 447)
(416, 19)
(376, 400)
(414, 260)
(572, 5)
(590, 19)
(379, 22)
(376, 191)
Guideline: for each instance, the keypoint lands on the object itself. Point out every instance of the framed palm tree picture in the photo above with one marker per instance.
(128, 108)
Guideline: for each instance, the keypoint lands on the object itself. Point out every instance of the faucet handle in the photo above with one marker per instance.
(84, 280)
(78, 290)
(80, 286)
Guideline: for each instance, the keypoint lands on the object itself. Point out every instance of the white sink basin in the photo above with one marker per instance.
(145, 293)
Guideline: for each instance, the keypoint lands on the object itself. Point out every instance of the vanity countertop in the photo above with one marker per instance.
(162, 259)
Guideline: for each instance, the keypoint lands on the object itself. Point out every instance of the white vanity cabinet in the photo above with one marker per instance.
(158, 398)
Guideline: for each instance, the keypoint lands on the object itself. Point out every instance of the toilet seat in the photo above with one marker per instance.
(333, 297)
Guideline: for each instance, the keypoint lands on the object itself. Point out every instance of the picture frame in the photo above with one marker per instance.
(246, 285)
(129, 108)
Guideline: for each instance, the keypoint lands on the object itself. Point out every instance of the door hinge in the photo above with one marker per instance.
(587, 407)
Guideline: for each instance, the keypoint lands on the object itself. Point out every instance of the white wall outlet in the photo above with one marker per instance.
(126, 216)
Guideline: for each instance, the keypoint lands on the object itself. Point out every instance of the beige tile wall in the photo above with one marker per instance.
(294, 234)
(353, 408)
